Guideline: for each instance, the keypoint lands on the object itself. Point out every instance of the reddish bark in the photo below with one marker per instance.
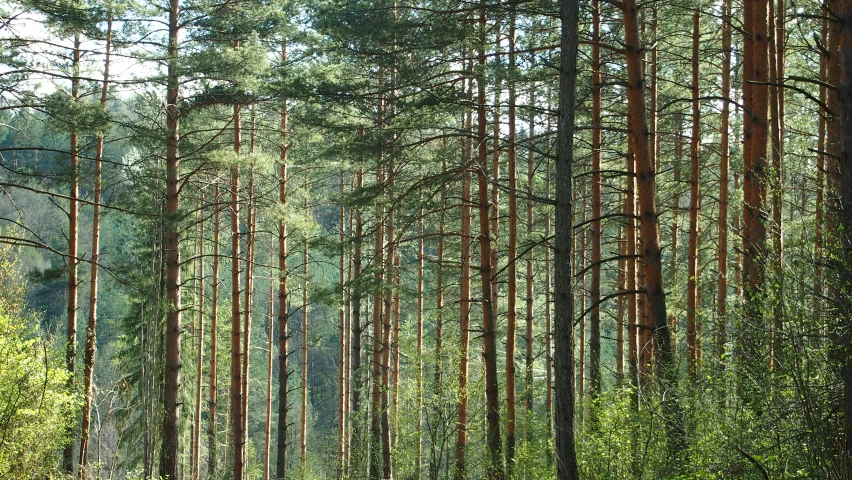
(650, 232)
(91, 327)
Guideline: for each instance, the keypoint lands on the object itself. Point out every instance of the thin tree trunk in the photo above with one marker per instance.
(512, 255)
(387, 330)
(212, 427)
(580, 293)
(394, 416)
(619, 314)
(355, 351)
(171, 390)
(494, 469)
(439, 327)
(595, 291)
(566, 458)
(283, 293)
(548, 324)
(378, 347)
(303, 424)
(776, 108)
(529, 339)
(820, 183)
(724, 167)
(632, 327)
(91, 327)
(249, 302)
(650, 232)
(342, 347)
(418, 428)
(464, 300)
(495, 170)
(270, 345)
(692, 323)
(72, 261)
(199, 373)
(238, 434)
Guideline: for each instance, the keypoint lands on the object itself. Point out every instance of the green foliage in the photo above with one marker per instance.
(66, 114)
(36, 404)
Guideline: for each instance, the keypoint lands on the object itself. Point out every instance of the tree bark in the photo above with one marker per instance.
(650, 233)
(724, 167)
(91, 327)
(357, 328)
(566, 458)
(212, 426)
(169, 460)
(776, 108)
(199, 356)
(692, 323)
(72, 261)
(843, 337)
(270, 346)
(755, 162)
(378, 304)
(418, 428)
(283, 299)
(464, 299)
(342, 347)
(512, 255)
(595, 290)
(303, 421)
(530, 286)
(238, 435)
(249, 299)
(494, 469)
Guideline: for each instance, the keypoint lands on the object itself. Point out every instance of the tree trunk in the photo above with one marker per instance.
(238, 435)
(73, 214)
(342, 347)
(724, 166)
(692, 323)
(212, 426)
(632, 326)
(776, 108)
(494, 469)
(378, 348)
(439, 327)
(580, 293)
(171, 390)
(270, 345)
(528, 283)
(91, 327)
(650, 232)
(820, 181)
(355, 351)
(595, 291)
(842, 339)
(199, 365)
(755, 101)
(249, 296)
(566, 458)
(418, 428)
(464, 299)
(283, 305)
(512, 256)
(303, 423)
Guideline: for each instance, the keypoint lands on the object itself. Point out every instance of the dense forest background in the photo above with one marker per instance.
(439, 239)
